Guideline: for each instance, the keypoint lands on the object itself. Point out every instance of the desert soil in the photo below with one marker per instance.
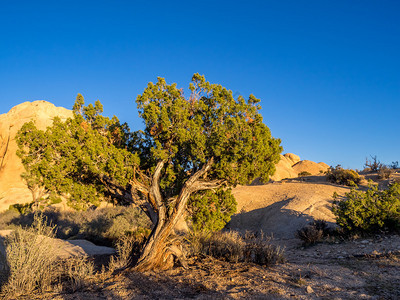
(358, 269)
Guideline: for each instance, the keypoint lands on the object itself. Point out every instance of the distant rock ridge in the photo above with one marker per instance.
(13, 190)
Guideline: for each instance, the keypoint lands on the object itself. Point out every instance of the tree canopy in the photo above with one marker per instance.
(85, 159)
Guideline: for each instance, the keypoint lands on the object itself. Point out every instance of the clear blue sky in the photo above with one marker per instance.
(327, 72)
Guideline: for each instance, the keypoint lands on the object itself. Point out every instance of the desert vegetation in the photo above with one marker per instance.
(339, 175)
(369, 211)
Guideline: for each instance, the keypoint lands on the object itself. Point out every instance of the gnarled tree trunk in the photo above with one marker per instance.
(161, 247)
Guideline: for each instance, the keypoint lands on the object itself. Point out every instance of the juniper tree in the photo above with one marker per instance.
(207, 141)
(191, 149)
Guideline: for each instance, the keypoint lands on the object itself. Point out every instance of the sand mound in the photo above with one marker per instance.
(12, 188)
(282, 208)
(310, 167)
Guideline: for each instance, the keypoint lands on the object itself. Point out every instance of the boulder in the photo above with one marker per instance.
(283, 169)
(292, 158)
(311, 167)
(13, 189)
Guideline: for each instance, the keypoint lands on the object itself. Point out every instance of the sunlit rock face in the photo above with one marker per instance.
(13, 189)
(290, 166)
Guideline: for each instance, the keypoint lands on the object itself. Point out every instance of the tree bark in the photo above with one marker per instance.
(160, 247)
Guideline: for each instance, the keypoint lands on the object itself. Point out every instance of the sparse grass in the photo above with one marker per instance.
(124, 247)
(232, 247)
(31, 258)
(80, 272)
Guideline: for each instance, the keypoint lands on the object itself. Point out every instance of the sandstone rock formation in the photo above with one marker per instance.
(310, 167)
(293, 158)
(12, 188)
(284, 169)
(290, 166)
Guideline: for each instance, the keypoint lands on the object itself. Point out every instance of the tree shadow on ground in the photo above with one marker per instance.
(273, 220)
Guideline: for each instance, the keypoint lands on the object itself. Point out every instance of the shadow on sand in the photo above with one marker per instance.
(274, 220)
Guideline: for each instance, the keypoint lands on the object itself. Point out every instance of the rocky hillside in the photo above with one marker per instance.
(12, 188)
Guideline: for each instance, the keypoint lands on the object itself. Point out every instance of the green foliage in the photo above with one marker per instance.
(304, 173)
(369, 211)
(210, 211)
(83, 159)
(209, 124)
(339, 175)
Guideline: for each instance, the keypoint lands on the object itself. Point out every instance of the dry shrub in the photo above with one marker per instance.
(304, 174)
(226, 245)
(314, 232)
(310, 235)
(232, 247)
(4, 270)
(385, 172)
(124, 247)
(31, 258)
(258, 250)
(102, 226)
(79, 271)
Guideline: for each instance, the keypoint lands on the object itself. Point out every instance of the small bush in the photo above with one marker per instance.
(370, 211)
(258, 250)
(125, 248)
(314, 232)
(304, 173)
(339, 175)
(385, 172)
